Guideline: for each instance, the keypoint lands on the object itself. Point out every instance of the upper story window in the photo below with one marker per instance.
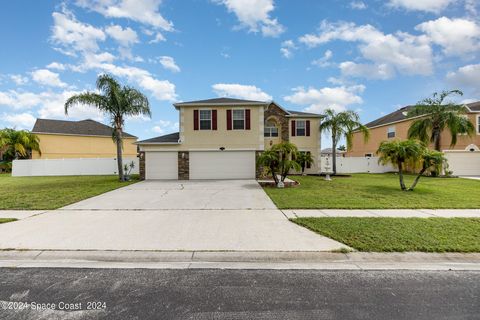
(270, 129)
(238, 119)
(478, 124)
(300, 128)
(205, 119)
(391, 132)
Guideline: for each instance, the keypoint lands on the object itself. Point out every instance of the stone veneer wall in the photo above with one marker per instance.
(183, 165)
(275, 112)
(141, 164)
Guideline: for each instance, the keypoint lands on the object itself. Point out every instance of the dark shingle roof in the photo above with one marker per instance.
(84, 127)
(401, 114)
(219, 101)
(168, 138)
(301, 113)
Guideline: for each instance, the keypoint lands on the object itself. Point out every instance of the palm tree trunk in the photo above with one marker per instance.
(119, 154)
(334, 153)
(400, 176)
(414, 184)
(436, 139)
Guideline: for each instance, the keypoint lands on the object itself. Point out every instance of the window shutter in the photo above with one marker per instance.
(229, 119)
(307, 128)
(195, 120)
(309, 165)
(214, 119)
(293, 128)
(247, 119)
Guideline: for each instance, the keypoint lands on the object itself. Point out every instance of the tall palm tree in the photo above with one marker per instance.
(118, 102)
(435, 117)
(17, 144)
(342, 124)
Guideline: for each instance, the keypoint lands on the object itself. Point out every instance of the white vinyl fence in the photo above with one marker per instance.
(357, 165)
(69, 167)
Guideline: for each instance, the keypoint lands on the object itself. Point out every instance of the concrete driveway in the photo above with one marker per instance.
(168, 215)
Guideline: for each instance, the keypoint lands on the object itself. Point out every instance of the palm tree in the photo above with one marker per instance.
(303, 159)
(431, 160)
(17, 144)
(400, 153)
(278, 161)
(435, 116)
(341, 124)
(118, 102)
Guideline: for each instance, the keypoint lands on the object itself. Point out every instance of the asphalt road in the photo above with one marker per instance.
(238, 294)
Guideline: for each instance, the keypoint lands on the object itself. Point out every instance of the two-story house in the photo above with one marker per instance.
(221, 139)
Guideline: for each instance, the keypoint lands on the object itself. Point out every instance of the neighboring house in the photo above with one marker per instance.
(79, 139)
(221, 139)
(327, 152)
(464, 157)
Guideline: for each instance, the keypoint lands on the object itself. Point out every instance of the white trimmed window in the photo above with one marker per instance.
(478, 124)
(238, 119)
(300, 128)
(205, 119)
(270, 129)
(391, 132)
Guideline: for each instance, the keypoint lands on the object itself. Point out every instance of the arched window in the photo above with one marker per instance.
(271, 130)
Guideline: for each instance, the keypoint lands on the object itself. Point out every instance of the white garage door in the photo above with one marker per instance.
(222, 165)
(161, 165)
(464, 163)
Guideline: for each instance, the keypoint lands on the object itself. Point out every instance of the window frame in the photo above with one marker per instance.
(204, 120)
(267, 131)
(304, 128)
(478, 124)
(244, 119)
(391, 130)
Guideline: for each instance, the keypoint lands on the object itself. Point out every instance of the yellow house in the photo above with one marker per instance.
(60, 139)
(221, 138)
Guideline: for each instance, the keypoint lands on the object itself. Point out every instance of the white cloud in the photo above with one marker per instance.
(47, 78)
(142, 11)
(324, 61)
(455, 36)
(287, 48)
(169, 63)
(240, 91)
(158, 38)
(466, 77)
(19, 79)
(317, 100)
(125, 37)
(358, 5)
(255, 15)
(381, 71)
(56, 66)
(73, 35)
(405, 53)
(19, 100)
(19, 120)
(164, 126)
(434, 6)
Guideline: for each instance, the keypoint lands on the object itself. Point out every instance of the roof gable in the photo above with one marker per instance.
(86, 127)
(220, 102)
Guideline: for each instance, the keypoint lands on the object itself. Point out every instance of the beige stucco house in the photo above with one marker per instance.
(221, 139)
(60, 139)
(464, 157)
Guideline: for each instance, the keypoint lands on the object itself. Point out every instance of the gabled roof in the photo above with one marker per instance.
(82, 128)
(293, 113)
(220, 102)
(401, 114)
(171, 138)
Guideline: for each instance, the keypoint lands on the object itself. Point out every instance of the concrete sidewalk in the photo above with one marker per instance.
(391, 213)
(240, 260)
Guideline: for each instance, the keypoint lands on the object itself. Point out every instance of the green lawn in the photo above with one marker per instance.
(30, 193)
(400, 234)
(376, 191)
(5, 220)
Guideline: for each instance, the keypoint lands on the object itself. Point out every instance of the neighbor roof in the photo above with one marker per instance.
(401, 114)
(84, 128)
(220, 101)
(171, 138)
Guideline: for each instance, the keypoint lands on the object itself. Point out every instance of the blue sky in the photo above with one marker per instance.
(369, 56)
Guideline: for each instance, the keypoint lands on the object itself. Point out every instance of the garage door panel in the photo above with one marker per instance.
(161, 165)
(222, 165)
(464, 163)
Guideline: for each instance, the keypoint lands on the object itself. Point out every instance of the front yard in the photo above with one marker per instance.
(5, 220)
(400, 234)
(377, 191)
(42, 193)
